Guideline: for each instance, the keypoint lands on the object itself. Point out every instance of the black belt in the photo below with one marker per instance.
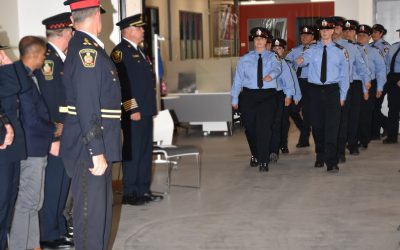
(331, 85)
(258, 90)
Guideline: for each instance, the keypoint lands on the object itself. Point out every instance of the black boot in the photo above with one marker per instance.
(264, 167)
(253, 161)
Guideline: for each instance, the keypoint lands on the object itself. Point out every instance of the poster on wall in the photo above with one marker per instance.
(277, 26)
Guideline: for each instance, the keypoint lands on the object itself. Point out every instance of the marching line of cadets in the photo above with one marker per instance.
(60, 115)
(332, 87)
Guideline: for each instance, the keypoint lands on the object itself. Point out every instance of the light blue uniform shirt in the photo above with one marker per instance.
(389, 56)
(297, 92)
(376, 64)
(337, 66)
(382, 45)
(285, 80)
(296, 53)
(246, 72)
(358, 67)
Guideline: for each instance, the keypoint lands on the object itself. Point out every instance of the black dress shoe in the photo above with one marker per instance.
(273, 158)
(133, 200)
(150, 197)
(354, 151)
(341, 159)
(333, 169)
(302, 145)
(56, 244)
(253, 161)
(319, 164)
(389, 141)
(264, 167)
(284, 150)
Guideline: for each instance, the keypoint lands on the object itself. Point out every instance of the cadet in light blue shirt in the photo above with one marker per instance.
(376, 64)
(254, 92)
(378, 32)
(379, 120)
(286, 89)
(328, 75)
(392, 59)
(300, 112)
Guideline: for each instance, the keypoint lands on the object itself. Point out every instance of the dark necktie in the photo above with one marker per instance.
(300, 69)
(259, 72)
(323, 66)
(393, 62)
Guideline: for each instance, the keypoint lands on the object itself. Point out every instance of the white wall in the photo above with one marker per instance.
(360, 10)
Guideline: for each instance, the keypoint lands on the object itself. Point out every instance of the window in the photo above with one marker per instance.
(191, 35)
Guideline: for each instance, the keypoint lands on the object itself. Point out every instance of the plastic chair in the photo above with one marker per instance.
(163, 130)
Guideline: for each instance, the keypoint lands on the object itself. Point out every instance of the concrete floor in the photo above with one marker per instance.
(293, 206)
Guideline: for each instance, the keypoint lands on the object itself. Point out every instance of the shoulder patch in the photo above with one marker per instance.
(116, 56)
(88, 57)
(86, 41)
(346, 54)
(48, 69)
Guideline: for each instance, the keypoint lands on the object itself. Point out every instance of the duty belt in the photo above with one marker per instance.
(105, 113)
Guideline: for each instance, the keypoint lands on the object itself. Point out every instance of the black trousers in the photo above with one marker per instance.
(286, 124)
(137, 158)
(305, 107)
(367, 110)
(277, 126)
(379, 120)
(394, 106)
(9, 182)
(325, 121)
(56, 188)
(356, 95)
(92, 208)
(258, 109)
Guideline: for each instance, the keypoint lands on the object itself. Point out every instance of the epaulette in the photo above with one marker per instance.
(350, 41)
(374, 46)
(287, 60)
(339, 46)
(385, 43)
(88, 43)
(395, 43)
(371, 43)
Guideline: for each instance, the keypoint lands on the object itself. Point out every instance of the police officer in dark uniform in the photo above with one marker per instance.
(328, 89)
(53, 224)
(91, 140)
(11, 155)
(392, 60)
(254, 92)
(139, 107)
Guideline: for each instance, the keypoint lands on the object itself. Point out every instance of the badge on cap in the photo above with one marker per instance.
(347, 24)
(324, 23)
(305, 29)
(362, 28)
(277, 43)
(258, 32)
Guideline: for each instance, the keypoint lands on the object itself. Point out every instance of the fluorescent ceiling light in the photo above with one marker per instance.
(256, 2)
(322, 0)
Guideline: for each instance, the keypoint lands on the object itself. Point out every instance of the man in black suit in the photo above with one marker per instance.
(139, 107)
(53, 226)
(12, 149)
(91, 139)
(39, 132)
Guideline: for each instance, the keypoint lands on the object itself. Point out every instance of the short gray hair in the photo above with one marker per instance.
(81, 14)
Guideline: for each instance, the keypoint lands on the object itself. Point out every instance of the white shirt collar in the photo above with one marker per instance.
(97, 40)
(59, 52)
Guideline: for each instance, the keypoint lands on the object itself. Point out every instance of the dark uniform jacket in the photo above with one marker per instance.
(35, 118)
(9, 89)
(137, 81)
(93, 98)
(50, 82)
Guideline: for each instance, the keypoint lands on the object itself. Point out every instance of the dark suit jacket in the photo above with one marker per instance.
(35, 117)
(9, 89)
